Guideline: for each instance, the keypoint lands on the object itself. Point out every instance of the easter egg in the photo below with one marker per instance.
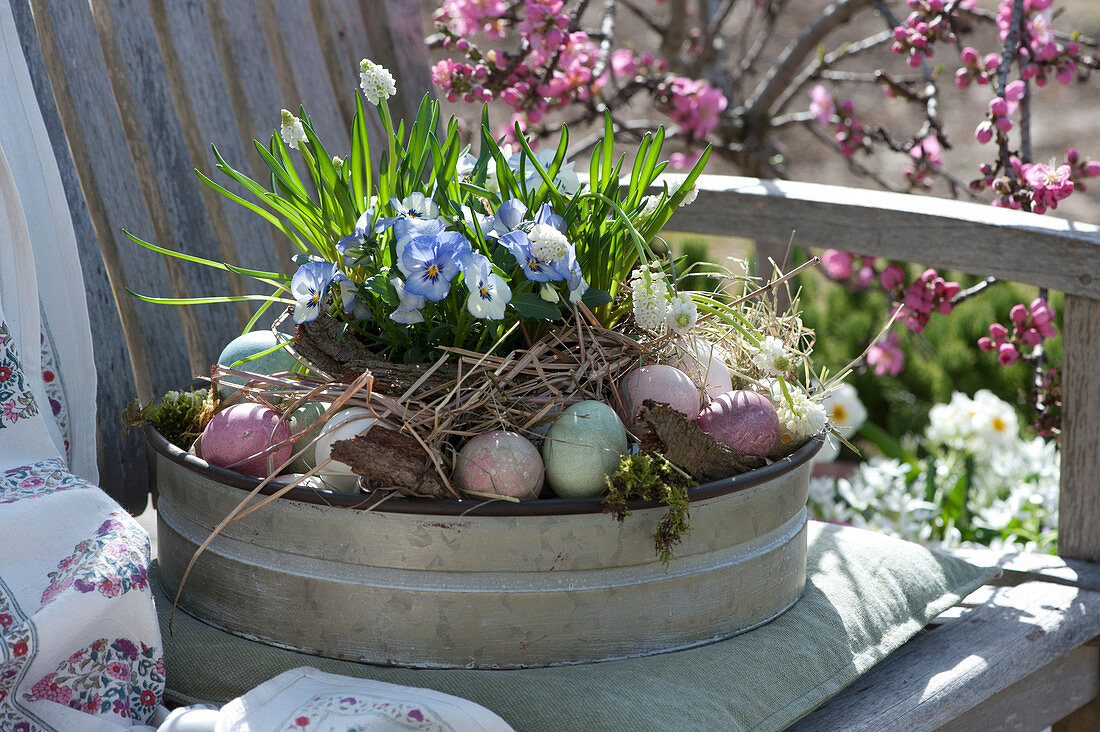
(242, 430)
(582, 447)
(704, 364)
(744, 420)
(344, 425)
(247, 345)
(661, 383)
(502, 463)
(298, 420)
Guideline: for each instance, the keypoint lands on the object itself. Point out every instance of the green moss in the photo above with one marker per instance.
(650, 477)
(179, 415)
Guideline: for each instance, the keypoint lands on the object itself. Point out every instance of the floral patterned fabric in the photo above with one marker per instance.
(16, 400)
(82, 576)
(55, 394)
(307, 700)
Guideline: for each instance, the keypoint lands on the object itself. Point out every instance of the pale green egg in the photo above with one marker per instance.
(298, 420)
(582, 448)
(250, 344)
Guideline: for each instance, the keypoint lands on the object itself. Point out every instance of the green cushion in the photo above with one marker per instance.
(866, 594)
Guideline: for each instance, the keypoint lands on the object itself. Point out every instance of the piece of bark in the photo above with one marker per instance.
(325, 343)
(398, 461)
(689, 448)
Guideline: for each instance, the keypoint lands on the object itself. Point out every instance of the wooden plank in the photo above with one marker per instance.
(342, 22)
(167, 179)
(969, 237)
(396, 38)
(317, 90)
(1024, 566)
(246, 67)
(95, 136)
(1054, 691)
(206, 114)
(944, 673)
(121, 457)
(1079, 509)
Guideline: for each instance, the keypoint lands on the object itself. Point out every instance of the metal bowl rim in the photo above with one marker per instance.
(439, 507)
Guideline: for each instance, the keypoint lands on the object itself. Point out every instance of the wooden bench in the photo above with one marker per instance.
(1020, 654)
(132, 92)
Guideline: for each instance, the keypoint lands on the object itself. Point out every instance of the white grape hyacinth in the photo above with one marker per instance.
(650, 297)
(376, 82)
(291, 130)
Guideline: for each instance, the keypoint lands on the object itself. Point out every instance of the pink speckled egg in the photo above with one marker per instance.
(242, 430)
(743, 420)
(661, 383)
(502, 463)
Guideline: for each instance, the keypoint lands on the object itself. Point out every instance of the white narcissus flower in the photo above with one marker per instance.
(846, 412)
(771, 357)
(291, 130)
(683, 314)
(376, 82)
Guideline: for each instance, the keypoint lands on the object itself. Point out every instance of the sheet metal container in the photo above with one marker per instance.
(467, 584)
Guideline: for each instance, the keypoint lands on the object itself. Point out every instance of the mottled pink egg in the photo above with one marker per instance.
(661, 383)
(502, 463)
(242, 430)
(743, 420)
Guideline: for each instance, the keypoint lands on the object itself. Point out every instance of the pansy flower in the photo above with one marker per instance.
(489, 293)
(409, 305)
(431, 262)
(308, 287)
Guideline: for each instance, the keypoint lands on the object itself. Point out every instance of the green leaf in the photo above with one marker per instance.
(530, 305)
(595, 297)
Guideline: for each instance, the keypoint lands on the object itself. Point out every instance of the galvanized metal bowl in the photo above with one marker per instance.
(480, 585)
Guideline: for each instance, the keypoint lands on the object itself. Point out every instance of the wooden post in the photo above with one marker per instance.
(1079, 509)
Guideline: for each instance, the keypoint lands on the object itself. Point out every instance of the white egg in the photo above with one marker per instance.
(343, 425)
(705, 364)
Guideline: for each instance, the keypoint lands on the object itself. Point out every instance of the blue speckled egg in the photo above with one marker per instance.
(582, 448)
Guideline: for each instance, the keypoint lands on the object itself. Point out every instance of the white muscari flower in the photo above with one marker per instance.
(649, 294)
(771, 356)
(547, 243)
(683, 314)
(649, 205)
(291, 130)
(337, 161)
(376, 82)
(690, 197)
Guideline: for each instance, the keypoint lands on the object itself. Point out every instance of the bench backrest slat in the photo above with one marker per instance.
(134, 92)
